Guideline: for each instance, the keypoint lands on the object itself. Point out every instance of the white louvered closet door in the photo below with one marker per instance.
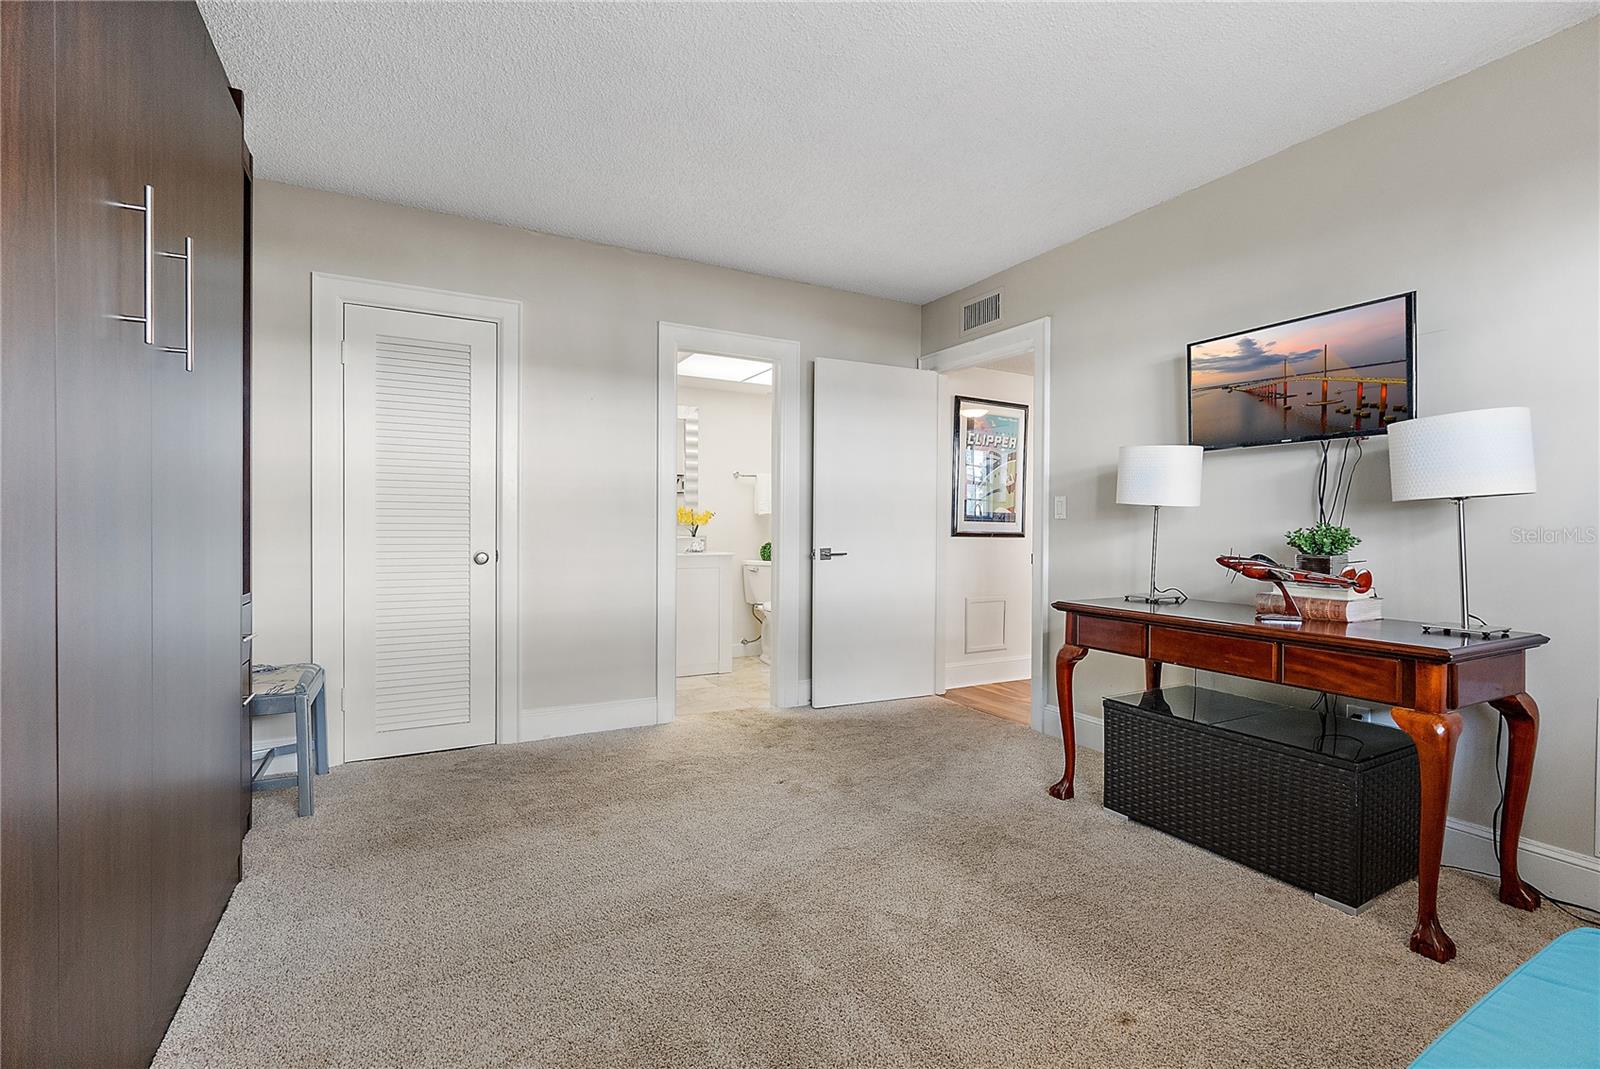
(419, 517)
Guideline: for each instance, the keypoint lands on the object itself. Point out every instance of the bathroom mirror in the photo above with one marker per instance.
(689, 456)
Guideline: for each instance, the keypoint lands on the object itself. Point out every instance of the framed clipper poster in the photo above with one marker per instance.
(990, 448)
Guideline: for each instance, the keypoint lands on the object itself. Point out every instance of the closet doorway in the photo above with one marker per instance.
(414, 516)
(420, 546)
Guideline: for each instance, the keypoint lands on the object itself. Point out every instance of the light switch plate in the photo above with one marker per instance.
(1061, 508)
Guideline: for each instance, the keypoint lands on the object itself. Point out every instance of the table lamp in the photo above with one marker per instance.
(1158, 475)
(1483, 453)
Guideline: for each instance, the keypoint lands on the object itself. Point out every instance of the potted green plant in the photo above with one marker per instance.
(1323, 547)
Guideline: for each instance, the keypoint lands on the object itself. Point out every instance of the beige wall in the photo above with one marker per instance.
(1481, 195)
(588, 402)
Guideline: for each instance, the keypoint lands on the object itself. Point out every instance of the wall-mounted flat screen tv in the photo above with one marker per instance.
(1348, 373)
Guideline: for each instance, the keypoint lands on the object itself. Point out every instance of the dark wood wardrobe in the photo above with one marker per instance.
(122, 736)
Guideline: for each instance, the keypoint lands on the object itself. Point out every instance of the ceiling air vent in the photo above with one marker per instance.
(981, 312)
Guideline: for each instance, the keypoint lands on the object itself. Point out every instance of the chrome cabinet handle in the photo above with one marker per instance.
(149, 209)
(187, 348)
(480, 557)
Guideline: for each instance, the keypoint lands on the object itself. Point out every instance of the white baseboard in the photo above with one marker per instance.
(1566, 874)
(993, 670)
(533, 724)
(555, 721)
(282, 765)
(1089, 730)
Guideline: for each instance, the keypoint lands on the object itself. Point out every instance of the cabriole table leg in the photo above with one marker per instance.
(1435, 735)
(1522, 718)
(1069, 656)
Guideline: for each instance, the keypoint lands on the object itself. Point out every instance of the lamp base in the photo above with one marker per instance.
(1158, 599)
(1279, 619)
(1475, 631)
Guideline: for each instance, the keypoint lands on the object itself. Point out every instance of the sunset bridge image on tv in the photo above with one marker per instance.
(1343, 373)
(1275, 389)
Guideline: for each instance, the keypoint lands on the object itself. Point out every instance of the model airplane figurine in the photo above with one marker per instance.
(1262, 567)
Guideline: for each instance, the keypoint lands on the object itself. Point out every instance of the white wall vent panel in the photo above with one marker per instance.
(980, 312)
(985, 624)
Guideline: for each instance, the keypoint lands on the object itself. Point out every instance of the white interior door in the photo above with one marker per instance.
(419, 521)
(873, 530)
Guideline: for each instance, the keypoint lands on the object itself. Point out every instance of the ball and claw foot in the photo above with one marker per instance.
(1061, 789)
(1429, 940)
(1521, 896)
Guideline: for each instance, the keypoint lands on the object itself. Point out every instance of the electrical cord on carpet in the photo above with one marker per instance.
(1494, 834)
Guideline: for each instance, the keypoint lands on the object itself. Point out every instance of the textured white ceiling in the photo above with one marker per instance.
(897, 150)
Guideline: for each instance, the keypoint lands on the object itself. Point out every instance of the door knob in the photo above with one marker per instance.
(480, 557)
(825, 553)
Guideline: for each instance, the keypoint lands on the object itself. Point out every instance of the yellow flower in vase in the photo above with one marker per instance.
(688, 517)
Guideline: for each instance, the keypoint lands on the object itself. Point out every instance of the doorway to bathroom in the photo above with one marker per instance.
(723, 507)
(728, 534)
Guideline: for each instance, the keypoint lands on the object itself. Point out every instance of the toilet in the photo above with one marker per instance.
(758, 595)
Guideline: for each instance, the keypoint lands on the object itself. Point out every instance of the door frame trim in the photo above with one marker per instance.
(788, 687)
(1013, 341)
(329, 295)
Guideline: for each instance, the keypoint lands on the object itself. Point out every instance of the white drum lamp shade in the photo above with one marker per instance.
(1159, 475)
(1485, 453)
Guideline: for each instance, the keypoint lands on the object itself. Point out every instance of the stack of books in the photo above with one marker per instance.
(1323, 603)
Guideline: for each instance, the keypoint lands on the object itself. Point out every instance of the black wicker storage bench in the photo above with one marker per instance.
(1325, 803)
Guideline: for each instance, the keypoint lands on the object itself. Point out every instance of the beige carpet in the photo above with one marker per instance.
(883, 886)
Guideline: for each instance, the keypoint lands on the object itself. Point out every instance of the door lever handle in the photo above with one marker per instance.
(826, 553)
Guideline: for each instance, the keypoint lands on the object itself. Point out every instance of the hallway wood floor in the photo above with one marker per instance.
(1012, 700)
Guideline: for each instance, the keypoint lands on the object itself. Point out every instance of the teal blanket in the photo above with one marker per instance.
(1546, 1015)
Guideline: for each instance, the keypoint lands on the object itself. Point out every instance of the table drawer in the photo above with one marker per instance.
(1378, 679)
(1487, 679)
(1233, 656)
(1113, 636)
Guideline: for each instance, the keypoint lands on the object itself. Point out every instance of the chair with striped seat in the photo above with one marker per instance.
(297, 689)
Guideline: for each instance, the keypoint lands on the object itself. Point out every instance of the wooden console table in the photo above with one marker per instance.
(1424, 678)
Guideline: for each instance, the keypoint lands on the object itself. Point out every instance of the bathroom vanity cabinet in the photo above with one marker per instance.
(707, 590)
